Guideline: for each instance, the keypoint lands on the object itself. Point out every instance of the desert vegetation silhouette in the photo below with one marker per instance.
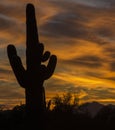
(33, 77)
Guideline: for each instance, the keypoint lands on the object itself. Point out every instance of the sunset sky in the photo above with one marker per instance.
(82, 35)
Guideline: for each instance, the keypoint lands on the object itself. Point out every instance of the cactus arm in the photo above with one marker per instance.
(46, 56)
(16, 64)
(51, 66)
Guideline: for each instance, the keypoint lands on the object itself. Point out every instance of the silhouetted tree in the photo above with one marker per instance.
(66, 103)
(33, 77)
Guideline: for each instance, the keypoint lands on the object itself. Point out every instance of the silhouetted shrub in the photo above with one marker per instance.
(65, 103)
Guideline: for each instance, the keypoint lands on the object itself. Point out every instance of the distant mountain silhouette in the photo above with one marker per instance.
(92, 108)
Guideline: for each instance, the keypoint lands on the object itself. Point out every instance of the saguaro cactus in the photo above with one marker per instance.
(33, 77)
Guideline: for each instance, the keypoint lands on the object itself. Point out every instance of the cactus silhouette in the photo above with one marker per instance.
(33, 77)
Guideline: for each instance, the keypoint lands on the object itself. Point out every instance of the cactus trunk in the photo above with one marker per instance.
(35, 101)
